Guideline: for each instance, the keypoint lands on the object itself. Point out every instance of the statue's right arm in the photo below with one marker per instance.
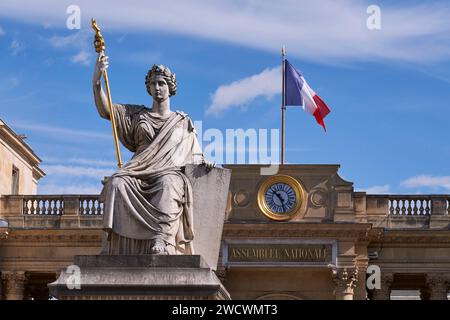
(101, 101)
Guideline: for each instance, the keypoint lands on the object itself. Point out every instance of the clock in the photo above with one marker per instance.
(280, 197)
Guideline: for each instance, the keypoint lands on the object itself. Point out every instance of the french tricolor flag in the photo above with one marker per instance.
(298, 93)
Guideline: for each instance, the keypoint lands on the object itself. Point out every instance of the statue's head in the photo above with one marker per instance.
(166, 74)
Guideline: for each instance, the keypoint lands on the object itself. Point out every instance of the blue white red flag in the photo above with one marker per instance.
(298, 93)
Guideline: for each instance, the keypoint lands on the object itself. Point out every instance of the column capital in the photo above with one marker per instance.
(4, 234)
(438, 283)
(345, 280)
(14, 284)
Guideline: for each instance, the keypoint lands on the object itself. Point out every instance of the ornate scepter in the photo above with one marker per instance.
(99, 45)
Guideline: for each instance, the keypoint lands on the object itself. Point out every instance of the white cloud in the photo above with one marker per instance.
(16, 47)
(82, 57)
(77, 171)
(80, 41)
(62, 132)
(325, 31)
(2, 32)
(425, 180)
(239, 93)
(378, 189)
(76, 40)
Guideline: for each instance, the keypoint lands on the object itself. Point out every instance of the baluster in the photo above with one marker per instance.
(88, 207)
(403, 207)
(35, 207)
(85, 206)
(48, 209)
(409, 208)
(100, 208)
(81, 207)
(420, 207)
(427, 207)
(61, 208)
(391, 207)
(56, 207)
(95, 207)
(26, 210)
(397, 207)
(92, 211)
(416, 209)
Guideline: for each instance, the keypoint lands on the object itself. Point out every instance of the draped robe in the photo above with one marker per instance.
(150, 197)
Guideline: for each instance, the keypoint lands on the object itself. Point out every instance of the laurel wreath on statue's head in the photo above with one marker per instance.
(165, 72)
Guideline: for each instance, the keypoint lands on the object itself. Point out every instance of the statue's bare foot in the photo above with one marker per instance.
(159, 247)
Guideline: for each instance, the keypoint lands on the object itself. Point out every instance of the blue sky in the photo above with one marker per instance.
(388, 89)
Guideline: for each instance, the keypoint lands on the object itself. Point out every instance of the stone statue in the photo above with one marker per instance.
(148, 202)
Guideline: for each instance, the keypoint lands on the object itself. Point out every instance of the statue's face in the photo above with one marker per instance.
(159, 88)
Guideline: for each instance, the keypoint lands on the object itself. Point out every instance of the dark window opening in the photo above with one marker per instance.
(15, 181)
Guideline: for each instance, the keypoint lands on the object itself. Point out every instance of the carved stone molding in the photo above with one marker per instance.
(417, 236)
(356, 232)
(78, 236)
(318, 198)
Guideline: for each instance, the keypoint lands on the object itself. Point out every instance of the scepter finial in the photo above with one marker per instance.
(99, 43)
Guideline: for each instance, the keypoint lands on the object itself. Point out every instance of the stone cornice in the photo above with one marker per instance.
(359, 232)
(55, 237)
(294, 169)
(415, 237)
(16, 143)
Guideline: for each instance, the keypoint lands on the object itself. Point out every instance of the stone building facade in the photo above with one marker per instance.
(338, 244)
(405, 237)
(19, 165)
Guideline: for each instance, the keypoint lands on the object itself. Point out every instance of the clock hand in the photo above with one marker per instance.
(281, 200)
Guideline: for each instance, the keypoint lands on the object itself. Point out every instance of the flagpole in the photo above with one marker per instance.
(283, 107)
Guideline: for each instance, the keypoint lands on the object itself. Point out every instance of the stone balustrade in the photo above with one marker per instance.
(51, 211)
(51, 205)
(404, 211)
(389, 211)
(407, 205)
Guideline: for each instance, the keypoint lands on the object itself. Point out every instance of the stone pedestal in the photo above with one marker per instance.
(144, 277)
(210, 193)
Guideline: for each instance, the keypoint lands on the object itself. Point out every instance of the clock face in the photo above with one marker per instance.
(280, 198)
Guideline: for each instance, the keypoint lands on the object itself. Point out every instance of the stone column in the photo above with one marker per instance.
(438, 285)
(14, 284)
(384, 293)
(345, 280)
